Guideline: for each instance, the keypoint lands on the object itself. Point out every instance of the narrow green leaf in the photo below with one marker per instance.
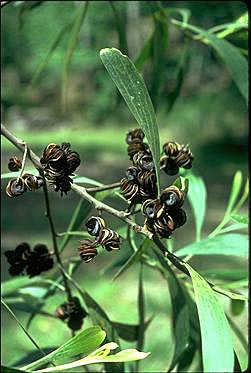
(134, 258)
(144, 54)
(240, 218)
(44, 62)
(99, 317)
(180, 311)
(235, 62)
(234, 227)
(5, 369)
(73, 39)
(83, 343)
(217, 345)
(80, 213)
(101, 356)
(225, 244)
(13, 285)
(182, 183)
(121, 28)
(133, 89)
(130, 332)
(141, 311)
(237, 307)
(86, 180)
(197, 195)
(232, 274)
(236, 187)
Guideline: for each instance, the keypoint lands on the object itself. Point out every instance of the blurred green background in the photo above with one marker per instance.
(209, 114)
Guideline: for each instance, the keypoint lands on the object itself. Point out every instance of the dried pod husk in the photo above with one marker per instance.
(130, 190)
(151, 207)
(76, 314)
(168, 165)
(180, 155)
(172, 197)
(72, 157)
(163, 225)
(87, 250)
(109, 239)
(15, 187)
(62, 312)
(179, 217)
(135, 147)
(143, 160)
(136, 134)
(148, 184)
(59, 163)
(14, 164)
(94, 224)
(40, 261)
(32, 182)
(18, 258)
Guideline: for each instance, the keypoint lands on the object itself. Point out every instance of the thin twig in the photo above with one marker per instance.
(23, 161)
(103, 187)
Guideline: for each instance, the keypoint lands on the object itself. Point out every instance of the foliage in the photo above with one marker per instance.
(201, 326)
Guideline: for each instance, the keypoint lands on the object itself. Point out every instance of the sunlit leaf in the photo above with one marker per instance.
(133, 89)
(182, 183)
(83, 343)
(240, 218)
(225, 244)
(197, 195)
(235, 62)
(217, 345)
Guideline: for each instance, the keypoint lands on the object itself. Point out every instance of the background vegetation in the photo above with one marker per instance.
(197, 101)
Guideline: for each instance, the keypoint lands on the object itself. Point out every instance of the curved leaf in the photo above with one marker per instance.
(133, 89)
(217, 345)
(223, 244)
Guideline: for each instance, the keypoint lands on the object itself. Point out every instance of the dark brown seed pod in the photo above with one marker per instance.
(179, 217)
(62, 312)
(130, 190)
(40, 261)
(87, 250)
(109, 239)
(32, 182)
(131, 173)
(168, 165)
(53, 157)
(143, 160)
(180, 155)
(148, 184)
(136, 134)
(14, 164)
(172, 197)
(15, 187)
(72, 157)
(94, 225)
(163, 226)
(135, 147)
(150, 208)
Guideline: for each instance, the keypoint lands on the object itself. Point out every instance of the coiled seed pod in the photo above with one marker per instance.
(40, 261)
(53, 157)
(135, 147)
(130, 190)
(148, 184)
(150, 208)
(143, 160)
(15, 187)
(179, 217)
(172, 197)
(109, 239)
(163, 225)
(18, 258)
(177, 156)
(87, 250)
(72, 157)
(94, 224)
(14, 164)
(32, 182)
(73, 312)
(136, 134)
(131, 173)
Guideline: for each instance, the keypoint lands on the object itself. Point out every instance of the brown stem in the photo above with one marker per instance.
(23, 161)
(103, 187)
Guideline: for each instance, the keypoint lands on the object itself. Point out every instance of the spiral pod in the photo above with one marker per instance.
(162, 225)
(148, 184)
(14, 164)
(72, 157)
(151, 207)
(16, 187)
(143, 160)
(179, 217)
(109, 239)
(72, 312)
(172, 197)
(94, 225)
(32, 182)
(87, 250)
(130, 190)
(176, 155)
(135, 135)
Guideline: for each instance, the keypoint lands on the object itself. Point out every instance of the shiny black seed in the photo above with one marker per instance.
(169, 198)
